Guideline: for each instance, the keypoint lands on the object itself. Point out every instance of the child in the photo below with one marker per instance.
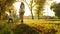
(10, 17)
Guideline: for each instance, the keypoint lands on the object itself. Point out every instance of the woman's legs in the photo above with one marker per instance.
(21, 17)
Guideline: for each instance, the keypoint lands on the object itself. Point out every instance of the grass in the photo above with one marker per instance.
(30, 26)
(46, 23)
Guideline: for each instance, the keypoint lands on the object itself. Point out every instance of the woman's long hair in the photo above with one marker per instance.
(22, 5)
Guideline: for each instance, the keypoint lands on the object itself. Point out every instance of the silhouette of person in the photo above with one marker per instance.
(10, 17)
(22, 10)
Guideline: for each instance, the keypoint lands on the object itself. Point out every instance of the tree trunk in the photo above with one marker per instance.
(39, 12)
(0, 13)
(31, 10)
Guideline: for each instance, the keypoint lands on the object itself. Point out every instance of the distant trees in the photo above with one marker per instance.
(39, 7)
(56, 9)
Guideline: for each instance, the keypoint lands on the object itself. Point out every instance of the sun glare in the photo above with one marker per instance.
(57, 1)
(48, 11)
(17, 5)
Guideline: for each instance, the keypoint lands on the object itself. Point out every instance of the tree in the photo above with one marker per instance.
(31, 9)
(56, 9)
(30, 5)
(39, 7)
(5, 4)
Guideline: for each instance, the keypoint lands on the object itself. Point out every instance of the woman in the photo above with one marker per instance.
(22, 10)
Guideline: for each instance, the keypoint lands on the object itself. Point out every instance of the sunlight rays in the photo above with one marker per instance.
(57, 1)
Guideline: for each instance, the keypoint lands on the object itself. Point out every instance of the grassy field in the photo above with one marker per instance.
(41, 26)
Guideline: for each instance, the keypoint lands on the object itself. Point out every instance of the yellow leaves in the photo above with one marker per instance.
(6, 7)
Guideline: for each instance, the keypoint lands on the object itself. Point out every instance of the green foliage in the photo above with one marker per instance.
(31, 6)
(56, 9)
(39, 6)
(4, 5)
(10, 1)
